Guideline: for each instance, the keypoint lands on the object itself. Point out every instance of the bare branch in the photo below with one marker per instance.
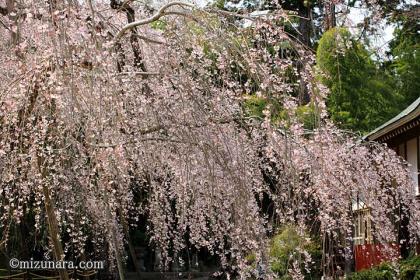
(162, 12)
(139, 73)
(157, 128)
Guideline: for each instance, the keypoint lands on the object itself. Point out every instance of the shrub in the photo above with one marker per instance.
(287, 247)
(410, 269)
(382, 272)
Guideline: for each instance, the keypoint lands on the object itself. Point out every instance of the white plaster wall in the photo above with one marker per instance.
(412, 159)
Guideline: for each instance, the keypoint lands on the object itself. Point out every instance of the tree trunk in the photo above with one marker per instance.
(54, 231)
(14, 34)
(53, 228)
(305, 15)
(114, 238)
(130, 245)
(330, 20)
(304, 36)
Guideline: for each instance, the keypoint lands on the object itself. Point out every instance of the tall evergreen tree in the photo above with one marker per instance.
(361, 93)
(404, 52)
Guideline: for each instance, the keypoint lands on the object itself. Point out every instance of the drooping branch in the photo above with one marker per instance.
(131, 17)
(138, 73)
(160, 127)
(162, 12)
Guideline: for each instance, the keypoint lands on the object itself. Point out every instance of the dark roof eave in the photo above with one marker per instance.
(407, 115)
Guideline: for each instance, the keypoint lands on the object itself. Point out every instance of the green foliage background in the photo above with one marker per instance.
(362, 96)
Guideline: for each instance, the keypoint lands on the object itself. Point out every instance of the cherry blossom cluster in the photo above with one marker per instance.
(104, 119)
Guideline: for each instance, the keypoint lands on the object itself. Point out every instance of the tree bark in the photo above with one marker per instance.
(330, 20)
(14, 33)
(114, 239)
(53, 227)
(130, 245)
(304, 36)
(305, 14)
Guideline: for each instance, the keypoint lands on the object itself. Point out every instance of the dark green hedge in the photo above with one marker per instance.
(406, 270)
